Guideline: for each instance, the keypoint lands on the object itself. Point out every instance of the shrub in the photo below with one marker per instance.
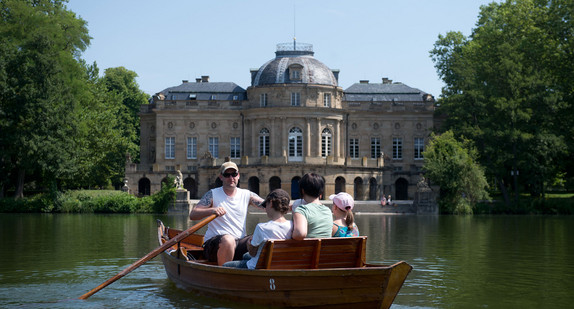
(91, 201)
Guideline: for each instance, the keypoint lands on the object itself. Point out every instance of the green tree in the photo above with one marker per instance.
(452, 165)
(100, 157)
(122, 83)
(501, 93)
(40, 41)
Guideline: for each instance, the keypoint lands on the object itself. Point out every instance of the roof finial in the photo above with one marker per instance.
(294, 32)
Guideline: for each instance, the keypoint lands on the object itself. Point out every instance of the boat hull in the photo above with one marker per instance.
(368, 287)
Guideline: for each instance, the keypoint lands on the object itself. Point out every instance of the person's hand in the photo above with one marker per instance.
(219, 211)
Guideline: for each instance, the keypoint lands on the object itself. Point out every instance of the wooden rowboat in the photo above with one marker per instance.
(327, 272)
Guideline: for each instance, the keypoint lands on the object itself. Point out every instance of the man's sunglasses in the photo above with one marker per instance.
(226, 175)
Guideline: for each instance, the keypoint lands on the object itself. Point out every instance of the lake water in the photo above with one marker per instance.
(47, 261)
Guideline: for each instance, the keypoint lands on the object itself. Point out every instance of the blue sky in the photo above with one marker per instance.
(166, 42)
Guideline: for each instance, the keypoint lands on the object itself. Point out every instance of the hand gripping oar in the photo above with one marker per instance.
(151, 255)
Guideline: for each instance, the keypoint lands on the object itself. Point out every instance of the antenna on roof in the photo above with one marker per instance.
(294, 32)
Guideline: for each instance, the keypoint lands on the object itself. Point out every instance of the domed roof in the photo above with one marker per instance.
(298, 57)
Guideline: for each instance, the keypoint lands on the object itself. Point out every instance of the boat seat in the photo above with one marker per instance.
(313, 253)
(192, 243)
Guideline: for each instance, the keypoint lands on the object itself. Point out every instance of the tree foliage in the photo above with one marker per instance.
(121, 83)
(452, 165)
(508, 92)
(62, 125)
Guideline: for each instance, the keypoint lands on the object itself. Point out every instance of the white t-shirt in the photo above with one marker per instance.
(233, 222)
(266, 231)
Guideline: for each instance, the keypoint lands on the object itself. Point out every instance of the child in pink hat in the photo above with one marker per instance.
(344, 221)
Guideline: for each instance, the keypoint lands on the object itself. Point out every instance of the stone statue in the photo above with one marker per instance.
(422, 185)
(178, 180)
(125, 187)
(207, 155)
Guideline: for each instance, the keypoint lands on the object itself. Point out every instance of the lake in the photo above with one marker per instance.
(48, 260)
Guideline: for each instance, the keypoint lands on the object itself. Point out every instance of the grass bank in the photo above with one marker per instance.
(551, 204)
(90, 201)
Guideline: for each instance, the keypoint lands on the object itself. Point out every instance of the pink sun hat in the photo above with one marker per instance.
(343, 200)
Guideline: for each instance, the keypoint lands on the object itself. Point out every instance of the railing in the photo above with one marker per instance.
(306, 47)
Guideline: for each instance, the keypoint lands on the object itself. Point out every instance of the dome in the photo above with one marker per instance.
(293, 64)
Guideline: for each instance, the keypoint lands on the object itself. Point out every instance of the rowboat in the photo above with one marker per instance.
(317, 273)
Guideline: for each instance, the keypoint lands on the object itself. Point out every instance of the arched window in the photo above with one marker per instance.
(373, 189)
(274, 183)
(190, 185)
(401, 189)
(358, 190)
(264, 142)
(295, 192)
(253, 184)
(144, 186)
(326, 141)
(216, 184)
(340, 184)
(295, 144)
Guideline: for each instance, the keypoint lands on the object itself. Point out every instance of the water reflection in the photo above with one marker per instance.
(498, 262)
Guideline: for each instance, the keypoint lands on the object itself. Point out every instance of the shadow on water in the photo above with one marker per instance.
(46, 261)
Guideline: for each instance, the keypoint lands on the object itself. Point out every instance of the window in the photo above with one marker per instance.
(397, 148)
(235, 146)
(326, 99)
(213, 97)
(264, 142)
(375, 147)
(192, 147)
(263, 100)
(235, 97)
(295, 72)
(214, 146)
(170, 147)
(326, 141)
(354, 148)
(295, 99)
(419, 148)
(295, 144)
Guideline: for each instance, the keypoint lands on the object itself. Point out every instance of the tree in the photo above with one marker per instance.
(122, 83)
(452, 165)
(502, 93)
(62, 125)
(39, 76)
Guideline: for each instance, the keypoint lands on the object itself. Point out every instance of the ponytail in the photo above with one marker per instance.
(350, 219)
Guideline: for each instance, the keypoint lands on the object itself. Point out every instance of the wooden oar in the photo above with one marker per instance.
(151, 255)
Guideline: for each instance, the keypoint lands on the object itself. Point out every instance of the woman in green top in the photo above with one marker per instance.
(312, 219)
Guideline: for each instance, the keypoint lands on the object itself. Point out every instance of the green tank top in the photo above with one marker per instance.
(319, 220)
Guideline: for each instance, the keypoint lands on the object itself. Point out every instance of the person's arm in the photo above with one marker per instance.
(255, 200)
(252, 249)
(299, 226)
(334, 229)
(205, 208)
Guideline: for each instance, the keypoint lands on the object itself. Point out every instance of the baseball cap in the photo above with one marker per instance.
(343, 200)
(228, 165)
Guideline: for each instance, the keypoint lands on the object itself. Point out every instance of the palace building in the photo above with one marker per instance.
(294, 118)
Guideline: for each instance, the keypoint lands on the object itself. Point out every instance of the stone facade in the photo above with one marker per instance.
(293, 119)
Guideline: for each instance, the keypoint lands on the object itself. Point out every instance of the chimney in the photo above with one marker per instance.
(198, 80)
(386, 80)
(205, 78)
(364, 81)
(185, 81)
